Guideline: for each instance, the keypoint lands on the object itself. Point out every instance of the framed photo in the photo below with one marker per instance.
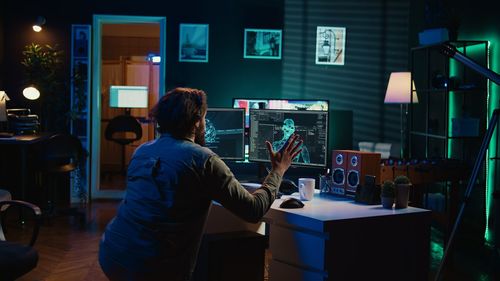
(262, 44)
(193, 42)
(330, 45)
(81, 41)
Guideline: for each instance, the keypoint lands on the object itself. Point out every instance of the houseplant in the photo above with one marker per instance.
(403, 185)
(43, 69)
(387, 194)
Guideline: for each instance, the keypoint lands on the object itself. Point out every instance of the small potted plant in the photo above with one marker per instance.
(403, 185)
(387, 195)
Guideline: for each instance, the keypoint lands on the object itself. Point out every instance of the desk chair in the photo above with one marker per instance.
(60, 154)
(123, 130)
(18, 258)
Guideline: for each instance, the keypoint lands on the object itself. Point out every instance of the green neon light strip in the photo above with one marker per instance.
(453, 105)
(492, 97)
(492, 101)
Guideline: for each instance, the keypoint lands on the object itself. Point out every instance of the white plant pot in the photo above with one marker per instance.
(402, 195)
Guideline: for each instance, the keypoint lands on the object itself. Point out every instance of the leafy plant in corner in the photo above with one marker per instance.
(43, 68)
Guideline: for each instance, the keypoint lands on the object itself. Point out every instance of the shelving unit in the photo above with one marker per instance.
(450, 118)
(80, 85)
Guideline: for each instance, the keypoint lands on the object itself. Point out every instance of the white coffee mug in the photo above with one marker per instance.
(306, 188)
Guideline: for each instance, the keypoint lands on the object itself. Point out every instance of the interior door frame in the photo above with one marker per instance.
(95, 155)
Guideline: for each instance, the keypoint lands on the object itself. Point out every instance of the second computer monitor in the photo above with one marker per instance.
(277, 125)
(225, 132)
(290, 104)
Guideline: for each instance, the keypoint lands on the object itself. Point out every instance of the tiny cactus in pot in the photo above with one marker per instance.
(403, 186)
(387, 194)
(401, 179)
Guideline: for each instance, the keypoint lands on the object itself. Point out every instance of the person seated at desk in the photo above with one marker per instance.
(170, 186)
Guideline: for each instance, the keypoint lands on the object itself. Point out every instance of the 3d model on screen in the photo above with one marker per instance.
(210, 131)
(288, 129)
(225, 132)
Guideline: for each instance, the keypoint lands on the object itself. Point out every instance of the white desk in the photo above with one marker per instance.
(221, 220)
(337, 239)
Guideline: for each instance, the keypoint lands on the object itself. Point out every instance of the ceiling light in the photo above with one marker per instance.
(37, 27)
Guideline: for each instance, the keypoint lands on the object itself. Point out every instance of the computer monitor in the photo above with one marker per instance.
(128, 96)
(225, 132)
(291, 104)
(276, 125)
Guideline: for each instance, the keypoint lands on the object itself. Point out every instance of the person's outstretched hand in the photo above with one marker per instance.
(282, 159)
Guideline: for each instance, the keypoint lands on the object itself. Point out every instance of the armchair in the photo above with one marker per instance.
(18, 258)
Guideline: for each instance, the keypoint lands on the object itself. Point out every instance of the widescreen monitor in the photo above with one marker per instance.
(276, 125)
(290, 104)
(128, 96)
(225, 132)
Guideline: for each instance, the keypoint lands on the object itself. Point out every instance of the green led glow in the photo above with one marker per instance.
(453, 105)
(454, 98)
(491, 165)
(493, 102)
(437, 251)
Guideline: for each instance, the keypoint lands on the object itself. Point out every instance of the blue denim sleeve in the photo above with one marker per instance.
(227, 190)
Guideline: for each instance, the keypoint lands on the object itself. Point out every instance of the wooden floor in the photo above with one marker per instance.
(68, 250)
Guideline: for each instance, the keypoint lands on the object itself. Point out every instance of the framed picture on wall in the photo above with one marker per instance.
(81, 37)
(193, 42)
(262, 44)
(81, 41)
(330, 45)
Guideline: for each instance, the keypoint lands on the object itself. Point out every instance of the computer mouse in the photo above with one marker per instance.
(291, 203)
(288, 187)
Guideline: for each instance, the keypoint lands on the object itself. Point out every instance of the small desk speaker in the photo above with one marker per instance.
(359, 165)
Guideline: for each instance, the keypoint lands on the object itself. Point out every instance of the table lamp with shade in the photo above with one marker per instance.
(3, 111)
(399, 91)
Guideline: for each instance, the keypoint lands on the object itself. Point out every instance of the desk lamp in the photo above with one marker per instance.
(399, 91)
(3, 111)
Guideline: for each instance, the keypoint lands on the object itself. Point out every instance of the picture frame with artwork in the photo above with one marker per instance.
(193, 42)
(262, 43)
(330, 45)
(81, 40)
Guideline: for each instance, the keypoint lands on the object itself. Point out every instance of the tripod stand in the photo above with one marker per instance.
(451, 51)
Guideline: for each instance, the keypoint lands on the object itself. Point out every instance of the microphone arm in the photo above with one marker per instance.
(452, 52)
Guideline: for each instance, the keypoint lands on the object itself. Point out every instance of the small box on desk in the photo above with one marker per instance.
(369, 193)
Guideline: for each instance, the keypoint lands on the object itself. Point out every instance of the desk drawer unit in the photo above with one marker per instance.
(282, 271)
(302, 250)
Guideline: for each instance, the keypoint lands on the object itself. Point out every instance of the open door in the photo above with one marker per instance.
(126, 83)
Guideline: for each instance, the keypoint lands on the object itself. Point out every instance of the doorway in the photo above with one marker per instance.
(128, 79)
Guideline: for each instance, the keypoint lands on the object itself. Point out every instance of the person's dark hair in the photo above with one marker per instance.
(178, 111)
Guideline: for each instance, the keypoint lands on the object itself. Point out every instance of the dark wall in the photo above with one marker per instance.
(376, 45)
(226, 74)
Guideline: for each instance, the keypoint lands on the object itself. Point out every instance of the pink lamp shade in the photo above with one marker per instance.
(399, 88)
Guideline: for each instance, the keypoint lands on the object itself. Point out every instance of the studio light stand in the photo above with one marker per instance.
(452, 52)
